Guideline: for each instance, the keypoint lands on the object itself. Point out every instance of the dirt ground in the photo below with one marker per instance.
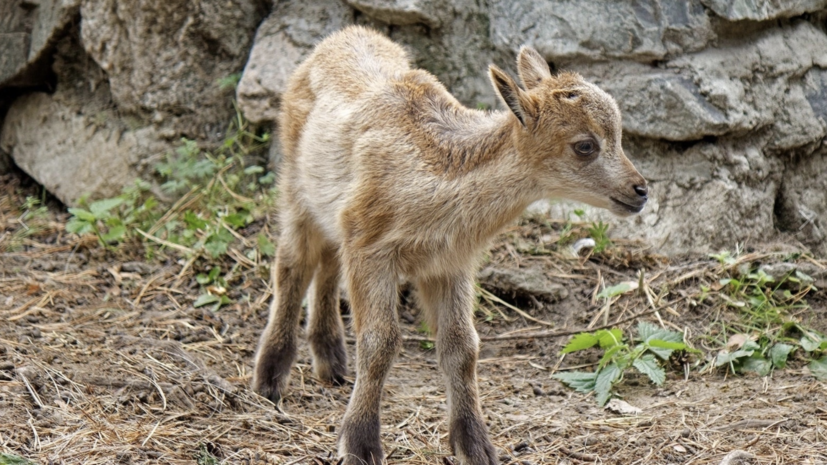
(104, 359)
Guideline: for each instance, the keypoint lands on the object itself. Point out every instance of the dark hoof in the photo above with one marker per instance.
(359, 443)
(329, 361)
(470, 444)
(272, 372)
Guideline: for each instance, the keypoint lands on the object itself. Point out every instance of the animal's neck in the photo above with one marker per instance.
(496, 184)
(464, 141)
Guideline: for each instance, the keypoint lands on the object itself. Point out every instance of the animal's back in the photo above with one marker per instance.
(322, 114)
(343, 69)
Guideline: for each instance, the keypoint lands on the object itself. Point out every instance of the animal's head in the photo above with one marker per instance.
(571, 130)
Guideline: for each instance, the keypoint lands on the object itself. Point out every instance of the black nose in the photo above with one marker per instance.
(642, 191)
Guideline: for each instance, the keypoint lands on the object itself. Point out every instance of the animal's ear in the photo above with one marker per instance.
(532, 67)
(511, 94)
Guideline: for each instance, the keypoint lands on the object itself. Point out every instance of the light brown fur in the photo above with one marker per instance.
(390, 176)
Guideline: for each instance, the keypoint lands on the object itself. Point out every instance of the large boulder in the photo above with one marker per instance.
(736, 10)
(164, 58)
(643, 30)
(27, 31)
(724, 102)
(132, 80)
(282, 41)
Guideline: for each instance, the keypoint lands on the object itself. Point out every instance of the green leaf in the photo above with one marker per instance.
(11, 459)
(609, 354)
(648, 365)
(646, 330)
(725, 358)
(757, 364)
(83, 214)
(202, 279)
(216, 247)
(609, 337)
(580, 342)
(779, 353)
(603, 384)
(580, 381)
(804, 276)
(103, 206)
(193, 221)
(237, 220)
(205, 299)
(214, 272)
(808, 344)
(267, 179)
(664, 349)
(266, 246)
(666, 344)
(615, 290)
(750, 345)
(819, 368)
(255, 169)
(78, 226)
(114, 234)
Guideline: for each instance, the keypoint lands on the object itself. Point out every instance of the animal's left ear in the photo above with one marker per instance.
(532, 67)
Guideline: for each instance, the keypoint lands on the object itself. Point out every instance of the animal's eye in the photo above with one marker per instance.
(585, 147)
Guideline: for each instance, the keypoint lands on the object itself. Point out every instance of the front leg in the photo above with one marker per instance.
(450, 302)
(374, 296)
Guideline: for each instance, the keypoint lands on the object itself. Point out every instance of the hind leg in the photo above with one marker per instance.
(325, 330)
(450, 301)
(373, 292)
(298, 255)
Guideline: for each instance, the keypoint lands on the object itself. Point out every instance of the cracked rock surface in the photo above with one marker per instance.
(724, 103)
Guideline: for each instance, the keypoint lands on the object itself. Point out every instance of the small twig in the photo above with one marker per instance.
(491, 297)
(144, 289)
(551, 334)
(30, 388)
(171, 245)
(151, 433)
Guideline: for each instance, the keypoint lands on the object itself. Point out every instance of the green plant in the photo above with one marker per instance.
(655, 345)
(423, 329)
(229, 82)
(215, 195)
(761, 356)
(598, 231)
(216, 286)
(764, 301)
(32, 220)
(205, 457)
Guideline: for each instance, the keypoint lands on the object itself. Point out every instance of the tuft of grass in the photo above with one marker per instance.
(33, 219)
(599, 232)
(767, 332)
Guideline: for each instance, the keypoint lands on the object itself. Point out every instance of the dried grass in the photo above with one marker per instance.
(103, 359)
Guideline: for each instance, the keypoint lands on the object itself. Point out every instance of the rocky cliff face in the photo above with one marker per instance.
(725, 103)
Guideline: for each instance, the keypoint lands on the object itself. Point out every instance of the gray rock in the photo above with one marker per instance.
(666, 106)
(74, 142)
(164, 58)
(780, 270)
(753, 83)
(702, 198)
(71, 154)
(522, 282)
(562, 30)
(27, 30)
(801, 209)
(433, 13)
(736, 10)
(282, 41)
